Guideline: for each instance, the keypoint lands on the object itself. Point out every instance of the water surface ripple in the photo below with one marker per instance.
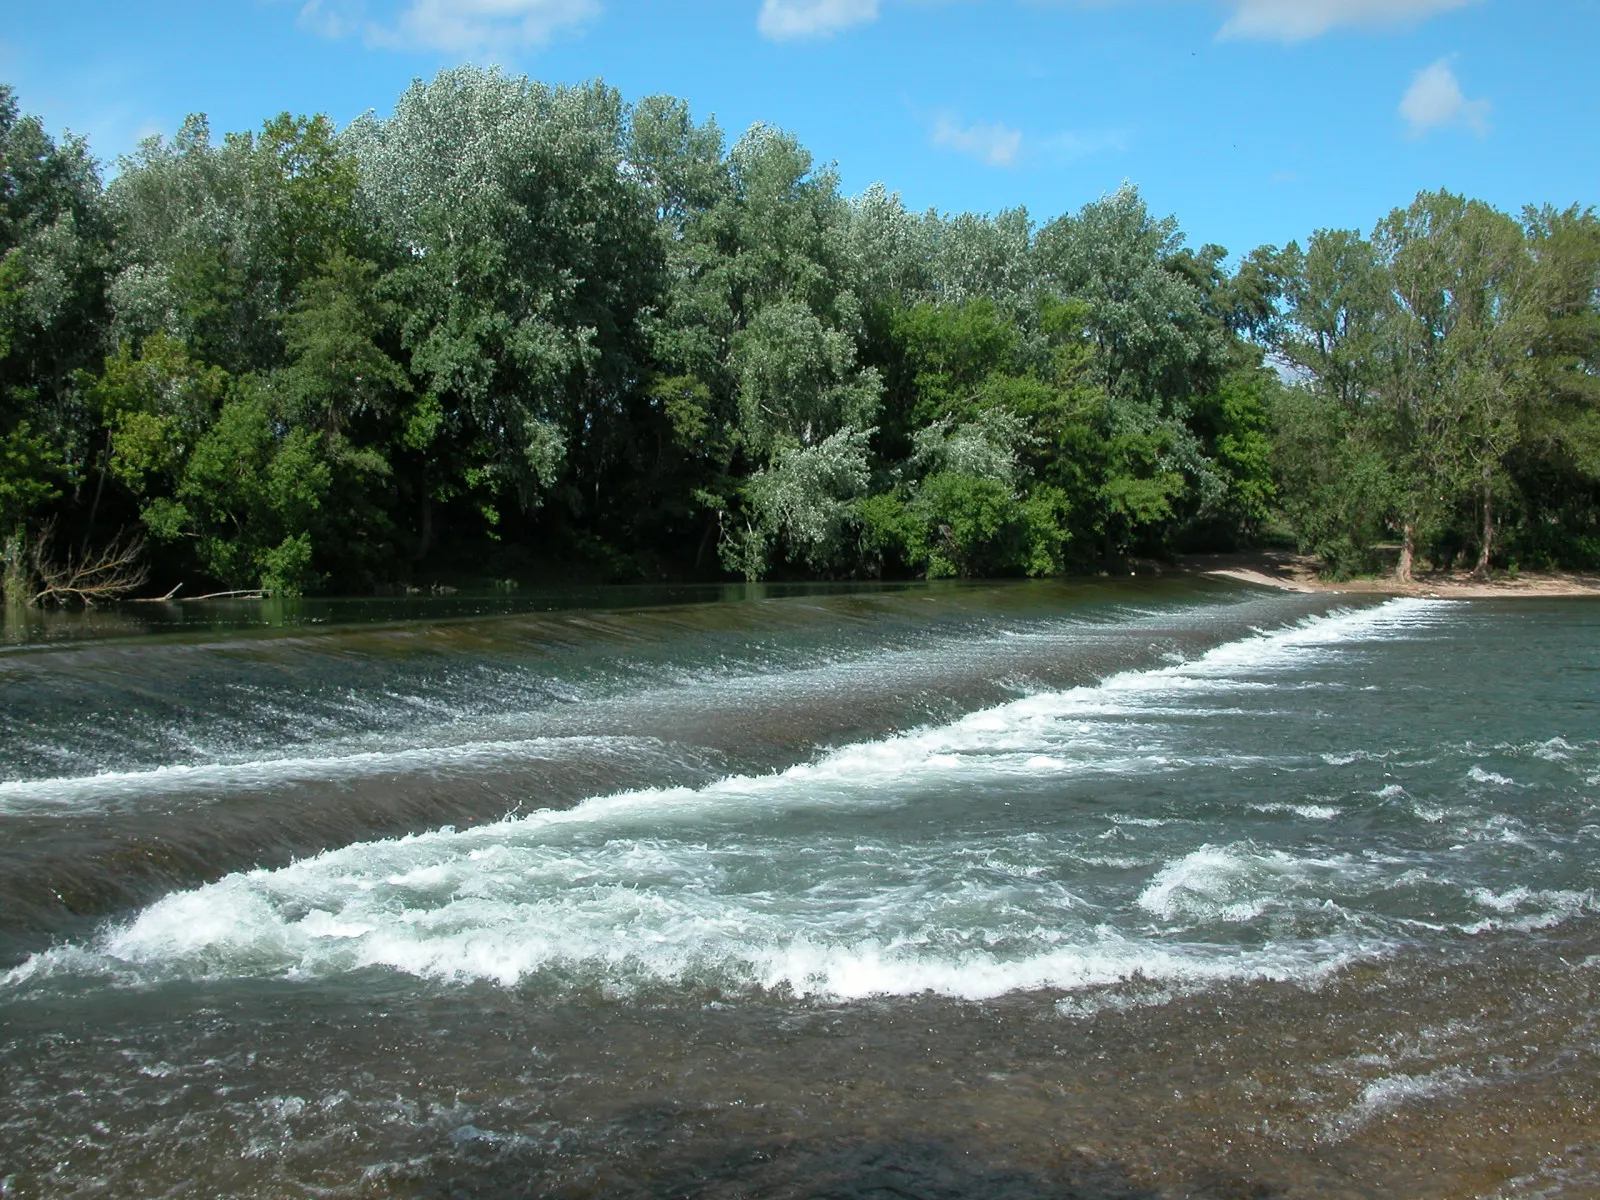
(1010, 891)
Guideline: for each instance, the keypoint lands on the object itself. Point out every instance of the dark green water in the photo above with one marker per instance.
(1154, 890)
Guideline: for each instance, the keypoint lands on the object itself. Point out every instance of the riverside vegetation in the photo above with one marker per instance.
(514, 329)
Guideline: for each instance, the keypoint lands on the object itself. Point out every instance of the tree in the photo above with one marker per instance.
(249, 498)
(1153, 343)
(798, 380)
(1234, 425)
(529, 257)
(803, 499)
(1556, 464)
(340, 370)
(761, 315)
(1333, 454)
(1457, 336)
(514, 327)
(970, 507)
(53, 246)
(215, 241)
(1154, 350)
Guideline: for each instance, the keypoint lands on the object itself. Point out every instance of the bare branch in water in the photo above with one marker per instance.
(98, 575)
(237, 594)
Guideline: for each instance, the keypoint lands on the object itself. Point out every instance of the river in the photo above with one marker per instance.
(1114, 891)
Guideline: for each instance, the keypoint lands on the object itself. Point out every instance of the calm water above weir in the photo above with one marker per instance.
(1099, 891)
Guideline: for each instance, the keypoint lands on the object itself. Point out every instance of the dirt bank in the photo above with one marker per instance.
(1298, 573)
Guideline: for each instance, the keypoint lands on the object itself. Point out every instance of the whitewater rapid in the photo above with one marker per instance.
(813, 880)
(1295, 895)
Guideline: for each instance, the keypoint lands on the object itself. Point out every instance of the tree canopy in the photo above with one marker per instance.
(519, 330)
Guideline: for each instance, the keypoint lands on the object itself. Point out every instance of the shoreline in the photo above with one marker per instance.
(1297, 573)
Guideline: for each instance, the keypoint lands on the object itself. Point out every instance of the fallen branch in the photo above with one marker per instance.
(156, 599)
(108, 574)
(245, 593)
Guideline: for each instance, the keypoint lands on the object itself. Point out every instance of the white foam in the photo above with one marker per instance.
(1497, 828)
(42, 796)
(1557, 749)
(713, 886)
(1392, 1092)
(624, 937)
(1222, 670)
(1479, 775)
(1525, 909)
(1311, 812)
(1239, 883)
(1127, 998)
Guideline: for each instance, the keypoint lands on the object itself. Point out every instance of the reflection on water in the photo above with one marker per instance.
(25, 625)
(1010, 891)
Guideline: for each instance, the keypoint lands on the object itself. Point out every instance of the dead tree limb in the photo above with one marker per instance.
(96, 576)
(156, 599)
(245, 593)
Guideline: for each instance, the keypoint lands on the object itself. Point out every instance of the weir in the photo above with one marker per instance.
(1259, 873)
(255, 751)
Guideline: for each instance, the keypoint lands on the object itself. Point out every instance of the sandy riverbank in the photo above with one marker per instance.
(1298, 573)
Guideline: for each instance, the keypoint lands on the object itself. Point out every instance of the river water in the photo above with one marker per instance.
(1106, 891)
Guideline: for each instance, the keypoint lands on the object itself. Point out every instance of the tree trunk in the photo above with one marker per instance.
(99, 489)
(14, 575)
(707, 540)
(425, 535)
(1487, 547)
(1408, 552)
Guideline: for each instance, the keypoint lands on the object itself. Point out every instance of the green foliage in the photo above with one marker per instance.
(340, 372)
(798, 380)
(890, 530)
(213, 242)
(528, 254)
(963, 512)
(423, 420)
(973, 526)
(53, 252)
(965, 519)
(687, 404)
(534, 327)
(953, 351)
(285, 569)
(1147, 320)
(1237, 421)
(212, 466)
(1441, 358)
(1336, 481)
(30, 471)
(156, 406)
(803, 502)
(956, 524)
(250, 498)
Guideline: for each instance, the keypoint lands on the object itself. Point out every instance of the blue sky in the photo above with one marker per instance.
(1253, 121)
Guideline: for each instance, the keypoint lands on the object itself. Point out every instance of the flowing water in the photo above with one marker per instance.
(1100, 891)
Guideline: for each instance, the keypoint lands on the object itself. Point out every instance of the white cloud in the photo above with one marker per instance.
(1298, 20)
(1435, 101)
(456, 27)
(329, 21)
(990, 143)
(999, 145)
(1269, 20)
(1075, 145)
(788, 20)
